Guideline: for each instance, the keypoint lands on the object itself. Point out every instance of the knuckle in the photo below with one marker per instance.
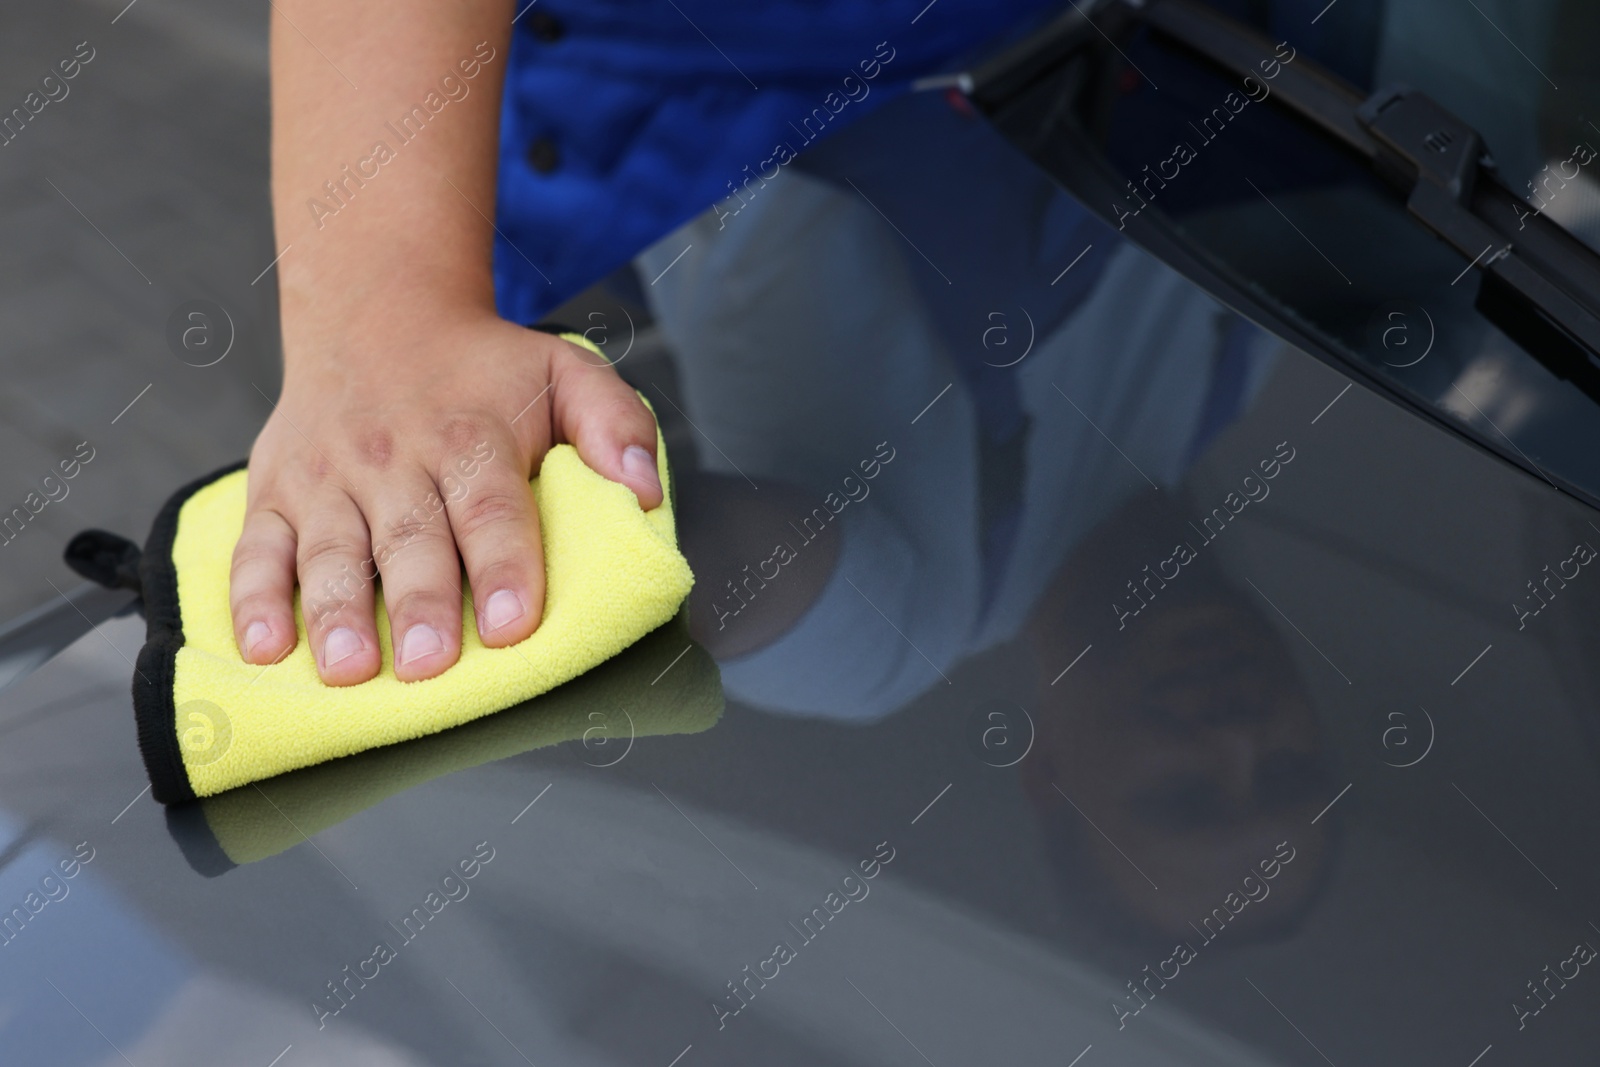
(321, 610)
(587, 361)
(322, 471)
(415, 526)
(461, 432)
(505, 572)
(624, 413)
(258, 604)
(320, 551)
(327, 608)
(376, 447)
(424, 604)
(630, 408)
(253, 555)
(487, 508)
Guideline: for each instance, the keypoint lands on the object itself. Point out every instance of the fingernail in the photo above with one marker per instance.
(254, 634)
(339, 646)
(501, 609)
(639, 467)
(421, 640)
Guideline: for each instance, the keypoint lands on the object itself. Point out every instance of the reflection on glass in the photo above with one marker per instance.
(664, 684)
(1287, 218)
(967, 429)
(1190, 742)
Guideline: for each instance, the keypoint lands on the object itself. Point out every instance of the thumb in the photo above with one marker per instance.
(615, 433)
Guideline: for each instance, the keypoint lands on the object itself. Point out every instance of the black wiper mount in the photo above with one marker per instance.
(1540, 285)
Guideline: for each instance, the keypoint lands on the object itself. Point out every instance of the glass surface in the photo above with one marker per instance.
(1108, 681)
(1294, 221)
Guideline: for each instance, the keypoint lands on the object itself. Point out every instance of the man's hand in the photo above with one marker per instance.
(404, 460)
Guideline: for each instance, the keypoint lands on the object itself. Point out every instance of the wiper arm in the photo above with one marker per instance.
(1540, 285)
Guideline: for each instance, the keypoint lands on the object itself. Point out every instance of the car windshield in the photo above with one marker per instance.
(1275, 211)
(1081, 668)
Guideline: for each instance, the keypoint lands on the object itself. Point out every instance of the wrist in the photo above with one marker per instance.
(361, 329)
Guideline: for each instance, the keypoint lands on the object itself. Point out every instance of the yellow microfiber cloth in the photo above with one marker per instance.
(664, 684)
(208, 721)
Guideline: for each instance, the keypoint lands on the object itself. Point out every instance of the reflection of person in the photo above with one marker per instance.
(1186, 737)
(993, 483)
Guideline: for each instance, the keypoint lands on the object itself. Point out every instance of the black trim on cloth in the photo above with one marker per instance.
(106, 559)
(155, 673)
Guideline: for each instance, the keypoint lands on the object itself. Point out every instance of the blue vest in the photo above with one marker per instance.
(623, 119)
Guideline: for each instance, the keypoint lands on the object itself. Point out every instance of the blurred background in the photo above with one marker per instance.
(141, 190)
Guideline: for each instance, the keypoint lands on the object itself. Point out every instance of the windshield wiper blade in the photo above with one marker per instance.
(1540, 285)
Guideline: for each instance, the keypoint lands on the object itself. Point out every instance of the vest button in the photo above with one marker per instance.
(546, 27)
(542, 156)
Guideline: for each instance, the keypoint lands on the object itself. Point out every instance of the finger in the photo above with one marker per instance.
(334, 559)
(415, 553)
(261, 588)
(613, 430)
(496, 527)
